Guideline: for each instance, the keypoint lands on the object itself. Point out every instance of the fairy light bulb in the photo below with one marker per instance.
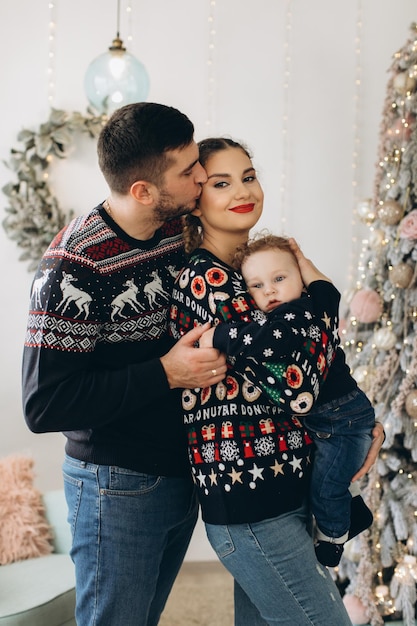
(211, 65)
(284, 196)
(51, 53)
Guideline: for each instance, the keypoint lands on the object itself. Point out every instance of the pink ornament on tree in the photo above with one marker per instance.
(408, 226)
(366, 306)
(355, 609)
(402, 128)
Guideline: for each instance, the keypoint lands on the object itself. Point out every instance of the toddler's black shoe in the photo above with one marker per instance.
(328, 553)
(360, 517)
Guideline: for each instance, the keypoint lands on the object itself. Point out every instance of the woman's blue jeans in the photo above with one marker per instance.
(342, 432)
(130, 534)
(274, 564)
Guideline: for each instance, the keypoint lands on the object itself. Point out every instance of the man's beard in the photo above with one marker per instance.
(167, 209)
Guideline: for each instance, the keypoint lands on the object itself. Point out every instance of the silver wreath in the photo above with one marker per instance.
(33, 215)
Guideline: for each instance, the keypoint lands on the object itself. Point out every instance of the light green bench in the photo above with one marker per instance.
(41, 591)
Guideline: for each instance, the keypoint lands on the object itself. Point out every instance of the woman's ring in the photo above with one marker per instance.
(214, 372)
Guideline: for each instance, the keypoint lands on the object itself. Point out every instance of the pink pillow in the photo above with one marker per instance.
(24, 530)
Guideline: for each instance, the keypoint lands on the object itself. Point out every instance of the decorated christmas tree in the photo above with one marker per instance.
(380, 341)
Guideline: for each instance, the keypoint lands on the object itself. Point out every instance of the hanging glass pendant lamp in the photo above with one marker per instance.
(115, 78)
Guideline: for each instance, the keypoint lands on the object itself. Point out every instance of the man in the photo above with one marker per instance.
(99, 366)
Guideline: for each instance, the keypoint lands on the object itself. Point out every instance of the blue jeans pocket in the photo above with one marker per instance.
(127, 482)
(72, 489)
(220, 540)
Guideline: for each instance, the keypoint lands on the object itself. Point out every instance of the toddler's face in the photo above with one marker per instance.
(272, 278)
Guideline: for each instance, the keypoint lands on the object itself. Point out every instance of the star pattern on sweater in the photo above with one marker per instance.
(213, 477)
(296, 464)
(235, 476)
(277, 468)
(201, 478)
(257, 472)
(326, 319)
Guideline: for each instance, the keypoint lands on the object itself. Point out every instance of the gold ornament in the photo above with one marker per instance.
(404, 83)
(362, 377)
(390, 212)
(406, 570)
(401, 275)
(384, 601)
(384, 338)
(411, 404)
(365, 211)
(376, 238)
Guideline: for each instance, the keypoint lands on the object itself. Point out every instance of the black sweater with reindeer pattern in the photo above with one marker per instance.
(96, 329)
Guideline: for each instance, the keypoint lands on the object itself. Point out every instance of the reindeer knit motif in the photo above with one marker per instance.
(99, 302)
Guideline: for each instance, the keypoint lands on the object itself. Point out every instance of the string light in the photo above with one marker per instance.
(356, 137)
(51, 53)
(129, 22)
(211, 82)
(285, 169)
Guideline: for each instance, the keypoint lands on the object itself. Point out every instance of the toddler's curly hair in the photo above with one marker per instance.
(260, 241)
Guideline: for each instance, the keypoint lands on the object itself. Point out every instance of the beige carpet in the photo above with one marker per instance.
(202, 596)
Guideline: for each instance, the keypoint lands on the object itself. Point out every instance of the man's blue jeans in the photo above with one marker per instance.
(342, 432)
(275, 565)
(130, 534)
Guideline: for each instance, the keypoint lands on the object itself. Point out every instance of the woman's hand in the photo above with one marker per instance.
(309, 272)
(206, 339)
(378, 439)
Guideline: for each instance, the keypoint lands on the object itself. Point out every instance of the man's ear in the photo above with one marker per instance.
(144, 192)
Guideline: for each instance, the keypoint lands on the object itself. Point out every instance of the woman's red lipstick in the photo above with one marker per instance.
(243, 208)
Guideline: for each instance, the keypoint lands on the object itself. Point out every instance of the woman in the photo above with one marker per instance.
(251, 468)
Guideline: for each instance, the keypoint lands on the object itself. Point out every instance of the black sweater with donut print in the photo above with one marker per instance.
(250, 459)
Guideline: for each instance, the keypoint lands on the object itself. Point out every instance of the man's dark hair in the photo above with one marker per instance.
(133, 144)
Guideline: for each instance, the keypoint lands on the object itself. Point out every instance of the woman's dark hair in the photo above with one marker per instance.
(193, 232)
(134, 142)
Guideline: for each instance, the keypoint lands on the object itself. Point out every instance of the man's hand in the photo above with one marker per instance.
(309, 271)
(378, 439)
(188, 367)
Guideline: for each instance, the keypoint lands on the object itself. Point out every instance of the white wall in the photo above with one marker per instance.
(172, 39)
